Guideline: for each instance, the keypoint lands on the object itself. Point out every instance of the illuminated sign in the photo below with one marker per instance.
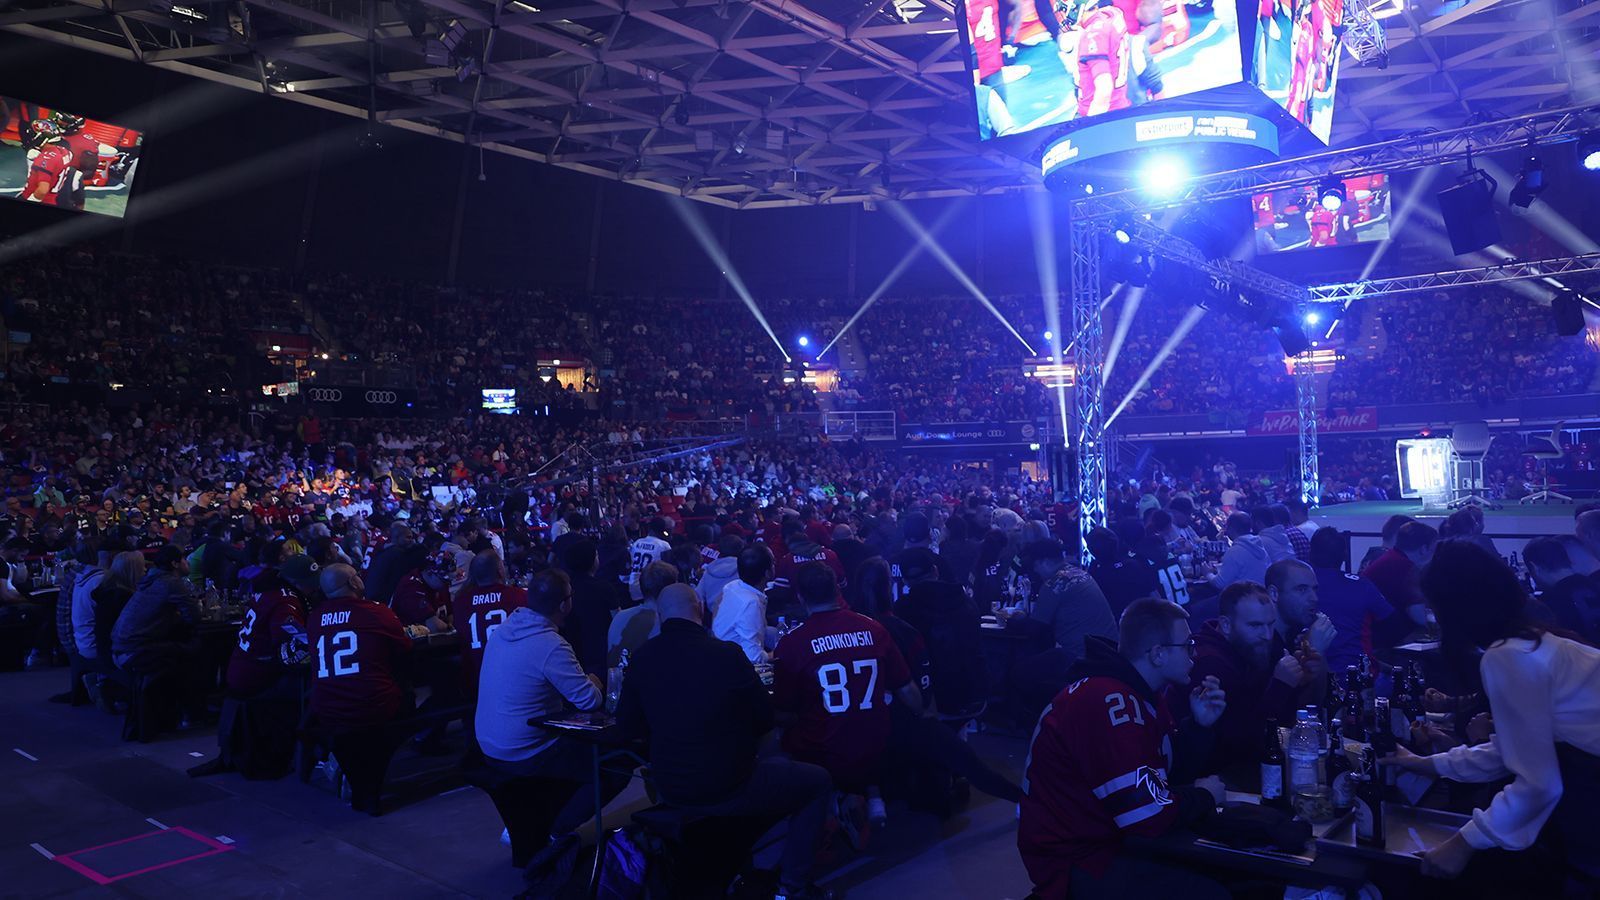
(1201, 126)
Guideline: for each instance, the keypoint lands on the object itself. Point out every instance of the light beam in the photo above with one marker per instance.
(697, 226)
(1190, 319)
(904, 217)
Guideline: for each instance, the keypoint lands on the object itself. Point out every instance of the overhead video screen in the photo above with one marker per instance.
(1038, 63)
(1297, 58)
(60, 159)
(1296, 219)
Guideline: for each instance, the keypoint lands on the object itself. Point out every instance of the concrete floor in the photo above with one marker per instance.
(72, 784)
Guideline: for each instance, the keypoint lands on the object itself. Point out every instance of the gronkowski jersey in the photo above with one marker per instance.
(1097, 768)
(477, 612)
(834, 672)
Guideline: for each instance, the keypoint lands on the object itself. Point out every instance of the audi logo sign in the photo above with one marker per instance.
(325, 395)
(382, 397)
(337, 395)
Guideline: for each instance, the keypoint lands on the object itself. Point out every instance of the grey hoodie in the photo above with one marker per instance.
(1246, 560)
(714, 579)
(528, 670)
(1276, 540)
(163, 603)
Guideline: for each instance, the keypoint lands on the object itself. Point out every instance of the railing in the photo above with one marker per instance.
(868, 425)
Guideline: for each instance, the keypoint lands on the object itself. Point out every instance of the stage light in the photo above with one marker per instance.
(805, 341)
(1331, 194)
(1530, 183)
(1589, 151)
(1049, 335)
(1313, 318)
(1164, 175)
(1088, 189)
(1468, 211)
(1122, 236)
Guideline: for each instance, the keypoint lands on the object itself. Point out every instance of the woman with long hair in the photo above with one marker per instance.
(1543, 689)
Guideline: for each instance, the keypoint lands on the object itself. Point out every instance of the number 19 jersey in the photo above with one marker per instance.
(834, 673)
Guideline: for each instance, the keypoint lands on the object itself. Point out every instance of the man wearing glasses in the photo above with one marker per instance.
(1103, 760)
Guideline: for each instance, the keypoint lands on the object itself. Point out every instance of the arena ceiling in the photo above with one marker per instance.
(756, 103)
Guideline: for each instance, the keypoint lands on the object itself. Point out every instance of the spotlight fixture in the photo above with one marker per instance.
(1589, 151)
(739, 145)
(1313, 318)
(1164, 175)
(1530, 183)
(804, 341)
(1122, 236)
(1331, 194)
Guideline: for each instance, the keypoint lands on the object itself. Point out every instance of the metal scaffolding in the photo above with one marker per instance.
(1088, 359)
(1305, 393)
(1511, 270)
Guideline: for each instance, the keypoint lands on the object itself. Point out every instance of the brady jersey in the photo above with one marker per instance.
(52, 170)
(275, 617)
(357, 647)
(983, 28)
(1103, 51)
(415, 603)
(1096, 768)
(835, 672)
(477, 612)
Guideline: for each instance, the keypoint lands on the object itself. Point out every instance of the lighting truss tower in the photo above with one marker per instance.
(1305, 391)
(1088, 360)
(1364, 36)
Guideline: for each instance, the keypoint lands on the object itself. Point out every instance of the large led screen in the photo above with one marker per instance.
(1297, 58)
(1038, 63)
(1296, 218)
(64, 160)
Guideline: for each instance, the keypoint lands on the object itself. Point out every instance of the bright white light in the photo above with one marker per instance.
(1313, 318)
(1088, 189)
(1591, 161)
(557, 362)
(1122, 236)
(1164, 175)
(805, 341)
(276, 349)
(1332, 202)
(1049, 335)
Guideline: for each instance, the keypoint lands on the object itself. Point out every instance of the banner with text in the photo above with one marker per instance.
(1339, 421)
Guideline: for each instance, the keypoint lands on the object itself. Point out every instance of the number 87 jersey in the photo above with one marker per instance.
(835, 673)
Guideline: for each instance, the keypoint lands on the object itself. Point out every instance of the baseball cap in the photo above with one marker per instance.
(300, 571)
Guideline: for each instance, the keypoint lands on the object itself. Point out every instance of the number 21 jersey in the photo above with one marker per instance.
(833, 673)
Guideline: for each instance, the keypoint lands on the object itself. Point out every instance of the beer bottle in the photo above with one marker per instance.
(1272, 793)
(1341, 783)
(1369, 804)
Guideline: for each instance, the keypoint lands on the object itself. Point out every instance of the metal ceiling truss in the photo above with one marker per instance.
(1241, 276)
(1513, 270)
(1416, 151)
(751, 103)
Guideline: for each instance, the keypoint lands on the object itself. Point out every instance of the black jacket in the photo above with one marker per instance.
(949, 623)
(702, 708)
(594, 598)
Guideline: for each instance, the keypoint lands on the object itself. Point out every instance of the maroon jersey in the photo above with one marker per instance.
(790, 561)
(834, 673)
(1097, 768)
(356, 647)
(477, 612)
(276, 614)
(52, 170)
(415, 603)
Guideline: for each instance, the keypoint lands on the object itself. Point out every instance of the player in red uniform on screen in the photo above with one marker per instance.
(1303, 56)
(50, 169)
(1103, 53)
(988, 43)
(835, 675)
(478, 609)
(87, 153)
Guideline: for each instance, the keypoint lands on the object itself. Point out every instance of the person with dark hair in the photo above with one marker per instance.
(1543, 690)
(649, 548)
(958, 551)
(951, 625)
(800, 549)
(703, 710)
(1247, 557)
(1122, 577)
(635, 625)
(1386, 536)
(400, 556)
(918, 539)
(481, 606)
(1264, 680)
(1352, 603)
(718, 573)
(155, 632)
(852, 551)
(422, 597)
(595, 598)
(1395, 573)
(834, 675)
(1069, 601)
(1108, 760)
(529, 673)
(1273, 530)
(1300, 515)
(272, 640)
(1571, 597)
(1301, 626)
(742, 612)
(989, 571)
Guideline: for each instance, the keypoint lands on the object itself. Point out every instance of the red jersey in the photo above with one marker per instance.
(414, 602)
(1097, 768)
(52, 169)
(983, 29)
(357, 646)
(85, 152)
(790, 561)
(1322, 222)
(477, 612)
(1103, 51)
(835, 673)
(275, 615)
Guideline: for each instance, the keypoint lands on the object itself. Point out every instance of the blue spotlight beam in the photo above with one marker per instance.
(1044, 256)
(697, 226)
(904, 217)
(1190, 319)
(894, 274)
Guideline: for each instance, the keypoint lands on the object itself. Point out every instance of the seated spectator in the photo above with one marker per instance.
(703, 711)
(1386, 537)
(637, 624)
(1570, 596)
(1247, 557)
(1352, 603)
(1588, 534)
(1396, 572)
(531, 673)
(1264, 682)
(742, 613)
(719, 572)
(109, 598)
(918, 540)
(273, 639)
(399, 557)
(422, 596)
(799, 549)
(480, 607)
(949, 623)
(1292, 585)
(1069, 601)
(1103, 757)
(1466, 524)
(359, 649)
(155, 634)
(833, 678)
(1122, 577)
(594, 599)
(1273, 530)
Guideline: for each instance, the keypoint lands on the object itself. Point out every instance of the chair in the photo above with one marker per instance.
(1547, 448)
(1469, 444)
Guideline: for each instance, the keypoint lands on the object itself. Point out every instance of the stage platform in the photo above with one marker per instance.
(1511, 526)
